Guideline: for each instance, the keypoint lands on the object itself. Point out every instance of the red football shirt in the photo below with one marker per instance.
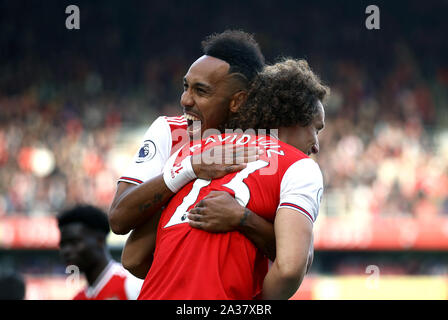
(114, 283)
(193, 264)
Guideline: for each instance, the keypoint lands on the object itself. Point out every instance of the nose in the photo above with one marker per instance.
(315, 148)
(186, 99)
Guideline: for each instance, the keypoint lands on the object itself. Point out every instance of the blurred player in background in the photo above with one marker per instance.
(215, 86)
(192, 264)
(12, 286)
(84, 229)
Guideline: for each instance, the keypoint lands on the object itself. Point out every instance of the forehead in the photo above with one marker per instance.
(71, 230)
(207, 70)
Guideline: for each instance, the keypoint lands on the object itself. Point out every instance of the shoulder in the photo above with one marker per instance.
(166, 123)
(178, 129)
(294, 160)
(292, 153)
(175, 122)
(306, 168)
(302, 187)
(282, 156)
(165, 133)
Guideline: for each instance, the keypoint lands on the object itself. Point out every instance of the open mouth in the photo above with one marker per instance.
(194, 124)
(191, 117)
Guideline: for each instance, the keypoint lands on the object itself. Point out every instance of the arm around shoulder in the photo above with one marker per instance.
(141, 183)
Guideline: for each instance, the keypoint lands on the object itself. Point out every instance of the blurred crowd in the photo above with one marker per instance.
(54, 155)
(382, 151)
(74, 106)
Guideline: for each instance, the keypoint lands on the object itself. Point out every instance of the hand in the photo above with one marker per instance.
(218, 161)
(217, 212)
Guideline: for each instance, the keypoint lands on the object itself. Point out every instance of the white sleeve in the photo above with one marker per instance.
(152, 155)
(301, 188)
(132, 286)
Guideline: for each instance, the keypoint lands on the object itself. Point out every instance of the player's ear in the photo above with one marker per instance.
(238, 100)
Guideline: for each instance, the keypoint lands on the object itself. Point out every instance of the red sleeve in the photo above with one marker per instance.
(179, 135)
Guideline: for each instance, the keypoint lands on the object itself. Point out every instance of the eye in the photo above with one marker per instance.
(201, 91)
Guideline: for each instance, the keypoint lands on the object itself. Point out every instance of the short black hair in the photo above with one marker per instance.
(239, 49)
(88, 215)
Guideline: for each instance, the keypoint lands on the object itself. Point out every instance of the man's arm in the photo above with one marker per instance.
(293, 234)
(133, 205)
(259, 231)
(138, 251)
(310, 255)
(141, 191)
(298, 209)
(220, 212)
(139, 247)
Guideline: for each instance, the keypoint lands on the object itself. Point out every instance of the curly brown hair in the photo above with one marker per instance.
(284, 94)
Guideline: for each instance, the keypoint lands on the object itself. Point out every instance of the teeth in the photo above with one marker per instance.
(190, 117)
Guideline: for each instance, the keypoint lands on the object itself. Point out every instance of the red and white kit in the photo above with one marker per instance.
(193, 264)
(165, 136)
(114, 283)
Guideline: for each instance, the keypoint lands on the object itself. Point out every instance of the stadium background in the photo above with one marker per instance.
(74, 104)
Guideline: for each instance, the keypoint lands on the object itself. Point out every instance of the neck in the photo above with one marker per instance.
(283, 134)
(93, 273)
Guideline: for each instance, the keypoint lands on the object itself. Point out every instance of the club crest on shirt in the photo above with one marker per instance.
(146, 152)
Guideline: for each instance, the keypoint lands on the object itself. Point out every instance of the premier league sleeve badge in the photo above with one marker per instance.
(146, 152)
